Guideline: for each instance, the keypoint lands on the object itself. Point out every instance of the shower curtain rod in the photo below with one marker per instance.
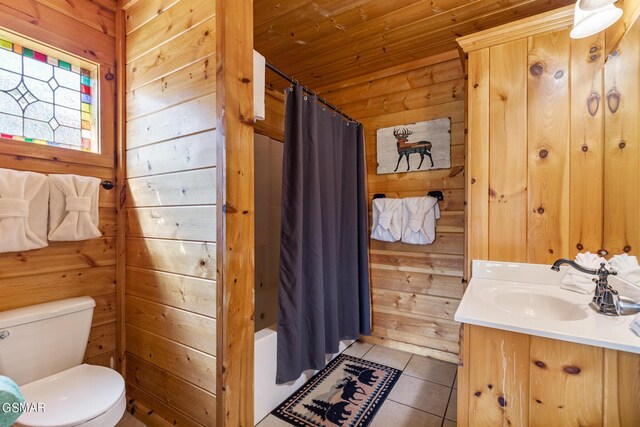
(310, 92)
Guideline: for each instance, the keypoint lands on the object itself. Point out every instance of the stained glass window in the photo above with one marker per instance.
(45, 100)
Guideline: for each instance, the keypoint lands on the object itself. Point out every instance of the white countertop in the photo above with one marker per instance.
(527, 298)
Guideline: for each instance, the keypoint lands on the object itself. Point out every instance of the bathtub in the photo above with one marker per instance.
(267, 395)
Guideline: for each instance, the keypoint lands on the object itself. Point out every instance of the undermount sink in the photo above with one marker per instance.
(521, 302)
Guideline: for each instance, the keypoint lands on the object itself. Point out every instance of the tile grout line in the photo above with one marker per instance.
(444, 417)
(418, 409)
(429, 381)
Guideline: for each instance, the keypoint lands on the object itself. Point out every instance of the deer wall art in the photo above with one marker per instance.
(430, 139)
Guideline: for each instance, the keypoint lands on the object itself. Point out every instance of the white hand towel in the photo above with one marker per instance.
(635, 325)
(578, 281)
(627, 267)
(73, 209)
(419, 215)
(24, 198)
(387, 220)
(259, 69)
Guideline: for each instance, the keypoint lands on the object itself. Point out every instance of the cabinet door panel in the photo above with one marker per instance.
(566, 383)
(498, 378)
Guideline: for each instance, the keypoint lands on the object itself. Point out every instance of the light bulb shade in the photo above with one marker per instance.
(587, 22)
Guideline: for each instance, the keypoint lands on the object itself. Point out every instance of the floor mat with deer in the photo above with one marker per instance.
(347, 392)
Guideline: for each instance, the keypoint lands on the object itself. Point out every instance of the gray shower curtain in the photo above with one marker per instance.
(323, 294)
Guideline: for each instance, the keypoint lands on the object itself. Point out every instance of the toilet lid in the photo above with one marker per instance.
(72, 397)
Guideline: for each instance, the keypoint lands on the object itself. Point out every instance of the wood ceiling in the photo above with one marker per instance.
(322, 42)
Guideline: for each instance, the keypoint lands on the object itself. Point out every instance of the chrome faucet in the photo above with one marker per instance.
(606, 299)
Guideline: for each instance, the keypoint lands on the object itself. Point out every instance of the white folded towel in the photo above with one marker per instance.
(259, 69)
(578, 281)
(635, 325)
(627, 267)
(24, 197)
(419, 215)
(73, 208)
(387, 220)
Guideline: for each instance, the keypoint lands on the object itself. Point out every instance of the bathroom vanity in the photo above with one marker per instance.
(534, 354)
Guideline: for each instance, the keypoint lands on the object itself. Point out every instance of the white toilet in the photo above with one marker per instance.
(41, 349)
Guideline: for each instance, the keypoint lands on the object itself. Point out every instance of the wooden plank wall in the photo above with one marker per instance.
(558, 131)
(69, 269)
(415, 289)
(171, 214)
(524, 380)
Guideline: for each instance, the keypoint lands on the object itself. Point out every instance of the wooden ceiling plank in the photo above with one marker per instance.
(317, 68)
(295, 32)
(270, 10)
(423, 77)
(374, 32)
(432, 30)
(380, 66)
(388, 72)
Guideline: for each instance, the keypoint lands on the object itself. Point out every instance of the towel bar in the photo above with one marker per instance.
(108, 185)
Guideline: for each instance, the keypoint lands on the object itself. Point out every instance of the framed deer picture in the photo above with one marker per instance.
(414, 147)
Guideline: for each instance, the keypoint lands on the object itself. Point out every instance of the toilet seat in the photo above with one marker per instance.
(85, 395)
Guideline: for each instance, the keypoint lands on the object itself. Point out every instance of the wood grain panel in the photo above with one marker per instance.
(273, 123)
(191, 365)
(477, 183)
(622, 151)
(174, 55)
(188, 293)
(39, 22)
(59, 257)
(414, 303)
(172, 256)
(181, 154)
(564, 377)
(180, 395)
(47, 287)
(621, 389)
(180, 120)
(196, 187)
(178, 223)
(548, 144)
(193, 330)
(86, 12)
(427, 284)
(171, 213)
(144, 11)
(508, 152)
(498, 377)
(419, 326)
(154, 412)
(102, 339)
(167, 26)
(185, 84)
(236, 223)
(586, 190)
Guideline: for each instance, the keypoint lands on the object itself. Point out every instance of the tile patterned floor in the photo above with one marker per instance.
(425, 394)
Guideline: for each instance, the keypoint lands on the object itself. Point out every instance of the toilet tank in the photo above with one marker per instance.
(44, 339)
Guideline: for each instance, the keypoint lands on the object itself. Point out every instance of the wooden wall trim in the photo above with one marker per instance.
(121, 188)
(615, 33)
(554, 20)
(235, 213)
